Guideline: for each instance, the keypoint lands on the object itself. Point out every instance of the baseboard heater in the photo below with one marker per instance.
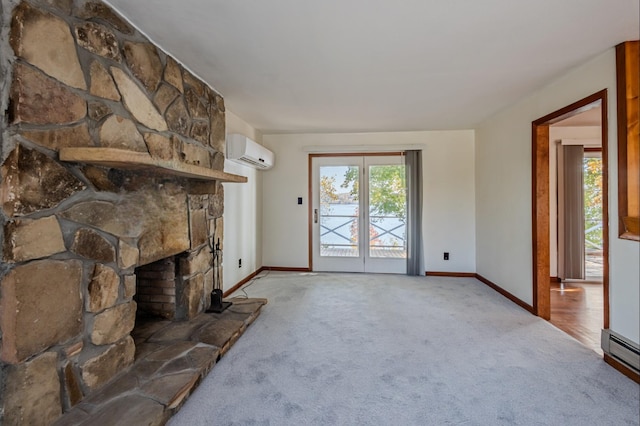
(621, 349)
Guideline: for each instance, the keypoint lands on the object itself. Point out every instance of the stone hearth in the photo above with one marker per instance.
(171, 360)
(77, 76)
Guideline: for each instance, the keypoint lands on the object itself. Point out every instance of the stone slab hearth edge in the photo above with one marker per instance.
(171, 360)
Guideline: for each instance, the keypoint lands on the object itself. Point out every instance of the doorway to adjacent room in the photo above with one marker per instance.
(570, 228)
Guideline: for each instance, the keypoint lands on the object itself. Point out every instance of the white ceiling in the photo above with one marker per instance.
(591, 117)
(379, 65)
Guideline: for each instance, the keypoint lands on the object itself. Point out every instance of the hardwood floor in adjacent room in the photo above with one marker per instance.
(578, 308)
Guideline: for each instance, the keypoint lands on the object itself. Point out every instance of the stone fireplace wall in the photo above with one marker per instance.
(75, 74)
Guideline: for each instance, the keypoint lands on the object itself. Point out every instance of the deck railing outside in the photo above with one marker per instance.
(338, 236)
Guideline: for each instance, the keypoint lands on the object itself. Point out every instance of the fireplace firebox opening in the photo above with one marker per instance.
(159, 288)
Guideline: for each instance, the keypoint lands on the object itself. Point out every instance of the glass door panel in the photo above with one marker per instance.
(385, 215)
(339, 212)
(387, 211)
(336, 216)
(593, 233)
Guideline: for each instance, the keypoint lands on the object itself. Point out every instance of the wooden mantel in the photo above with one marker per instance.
(132, 160)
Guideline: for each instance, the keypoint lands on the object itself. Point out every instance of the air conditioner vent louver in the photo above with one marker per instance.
(243, 150)
(259, 164)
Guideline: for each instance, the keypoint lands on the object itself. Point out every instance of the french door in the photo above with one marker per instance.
(359, 210)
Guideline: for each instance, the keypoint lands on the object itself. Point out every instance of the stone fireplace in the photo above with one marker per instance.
(112, 167)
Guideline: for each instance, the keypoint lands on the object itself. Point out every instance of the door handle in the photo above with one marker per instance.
(315, 216)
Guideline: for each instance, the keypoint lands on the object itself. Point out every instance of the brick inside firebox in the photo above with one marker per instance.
(156, 288)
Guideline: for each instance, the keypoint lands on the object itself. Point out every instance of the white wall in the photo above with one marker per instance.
(449, 210)
(242, 213)
(503, 194)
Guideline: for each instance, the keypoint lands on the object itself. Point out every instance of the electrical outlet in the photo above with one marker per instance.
(239, 263)
(446, 255)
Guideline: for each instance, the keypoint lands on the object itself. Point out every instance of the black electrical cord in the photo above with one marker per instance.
(247, 285)
(217, 253)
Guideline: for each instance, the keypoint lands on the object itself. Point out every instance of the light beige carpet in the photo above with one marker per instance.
(356, 349)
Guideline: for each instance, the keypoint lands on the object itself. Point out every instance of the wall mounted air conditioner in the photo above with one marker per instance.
(243, 150)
